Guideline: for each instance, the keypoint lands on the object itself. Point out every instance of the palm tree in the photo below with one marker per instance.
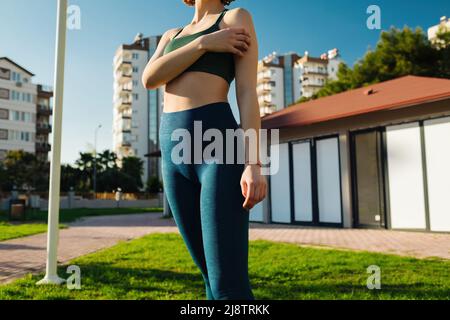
(85, 165)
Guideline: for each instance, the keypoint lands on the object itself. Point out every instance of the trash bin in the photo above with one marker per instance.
(17, 209)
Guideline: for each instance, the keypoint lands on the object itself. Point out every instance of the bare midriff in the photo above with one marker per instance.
(194, 89)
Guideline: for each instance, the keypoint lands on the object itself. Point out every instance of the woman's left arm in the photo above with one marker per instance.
(253, 184)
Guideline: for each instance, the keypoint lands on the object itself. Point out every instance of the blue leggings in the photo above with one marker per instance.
(206, 202)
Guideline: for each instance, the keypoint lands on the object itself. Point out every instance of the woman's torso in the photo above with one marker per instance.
(193, 89)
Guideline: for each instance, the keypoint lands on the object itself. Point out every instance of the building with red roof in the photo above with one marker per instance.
(376, 157)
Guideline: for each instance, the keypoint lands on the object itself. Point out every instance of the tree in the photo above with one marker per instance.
(25, 171)
(398, 53)
(85, 166)
(132, 167)
(154, 185)
(70, 178)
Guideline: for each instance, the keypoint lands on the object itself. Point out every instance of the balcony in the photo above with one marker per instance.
(122, 90)
(315, 72)
(267, 110)
(122, 63)
(264, 88)
(124, 125)
(264, 77)
(309, 84)
(42, 147)
(126, 113)
(123, 103)
(44, 110)
(44, 91)
(123, 77)
(43, 128)
(126, 143)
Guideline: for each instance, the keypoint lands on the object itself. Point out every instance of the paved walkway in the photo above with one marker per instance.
(21, 256)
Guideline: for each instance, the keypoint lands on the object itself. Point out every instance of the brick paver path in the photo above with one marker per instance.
(21, 256)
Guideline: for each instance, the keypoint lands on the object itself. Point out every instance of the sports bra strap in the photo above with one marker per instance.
(181, 29)
(221, 16)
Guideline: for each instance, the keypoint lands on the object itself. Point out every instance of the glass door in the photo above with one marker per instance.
(368, 181)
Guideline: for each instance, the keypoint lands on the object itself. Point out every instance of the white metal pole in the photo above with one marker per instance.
(51, 276)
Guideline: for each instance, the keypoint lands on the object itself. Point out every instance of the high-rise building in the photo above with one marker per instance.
(25, 111)
(275, 82)
(136, 110)
(285, 79)
(443, 26)
(311, 74)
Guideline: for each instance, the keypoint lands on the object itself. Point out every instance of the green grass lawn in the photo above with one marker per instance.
(11, 231)
(159, 267)
(36, 221)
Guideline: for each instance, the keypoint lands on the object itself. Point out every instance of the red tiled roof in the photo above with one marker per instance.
(393, 94)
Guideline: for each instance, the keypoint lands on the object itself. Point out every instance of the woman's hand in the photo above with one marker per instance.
(234, 40)
(253, 185)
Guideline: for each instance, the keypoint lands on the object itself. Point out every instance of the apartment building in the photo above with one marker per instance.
(25, 111)
(275, 87)
(136, 110)
(311, 74)
(285, 79)
(444, 25)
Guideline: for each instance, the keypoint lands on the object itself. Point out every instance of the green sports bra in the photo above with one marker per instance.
(218, 63)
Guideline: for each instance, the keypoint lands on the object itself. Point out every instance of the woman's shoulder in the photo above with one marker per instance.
(169, 34)
(238, 16)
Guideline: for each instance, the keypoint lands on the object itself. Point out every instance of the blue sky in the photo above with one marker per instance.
(27, 33)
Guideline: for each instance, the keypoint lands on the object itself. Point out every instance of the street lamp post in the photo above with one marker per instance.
(51, 274)
(95, 161)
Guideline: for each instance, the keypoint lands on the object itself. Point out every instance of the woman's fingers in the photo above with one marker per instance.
(249, 201)
(242, 44)
(241, 31)
(244, 189)
(241, 37)
(237, 51)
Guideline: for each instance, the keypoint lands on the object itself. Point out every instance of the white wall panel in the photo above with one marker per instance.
(279, 184)
(301, 154)
(437, 145)
(257, 213)
(328, 180)
(406, 193)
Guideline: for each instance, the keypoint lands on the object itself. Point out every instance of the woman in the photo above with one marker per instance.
(210, 201)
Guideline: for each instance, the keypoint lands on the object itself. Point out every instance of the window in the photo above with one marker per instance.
(15, 95)
(25, 136)
(17, 77)
(4, 94)
(5, 74)
(135, 56)
(135, 96)
(135, 69)
(3, 134)
(15, 116)
(4, 114)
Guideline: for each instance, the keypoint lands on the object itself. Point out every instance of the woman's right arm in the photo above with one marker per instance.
(161, 68)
